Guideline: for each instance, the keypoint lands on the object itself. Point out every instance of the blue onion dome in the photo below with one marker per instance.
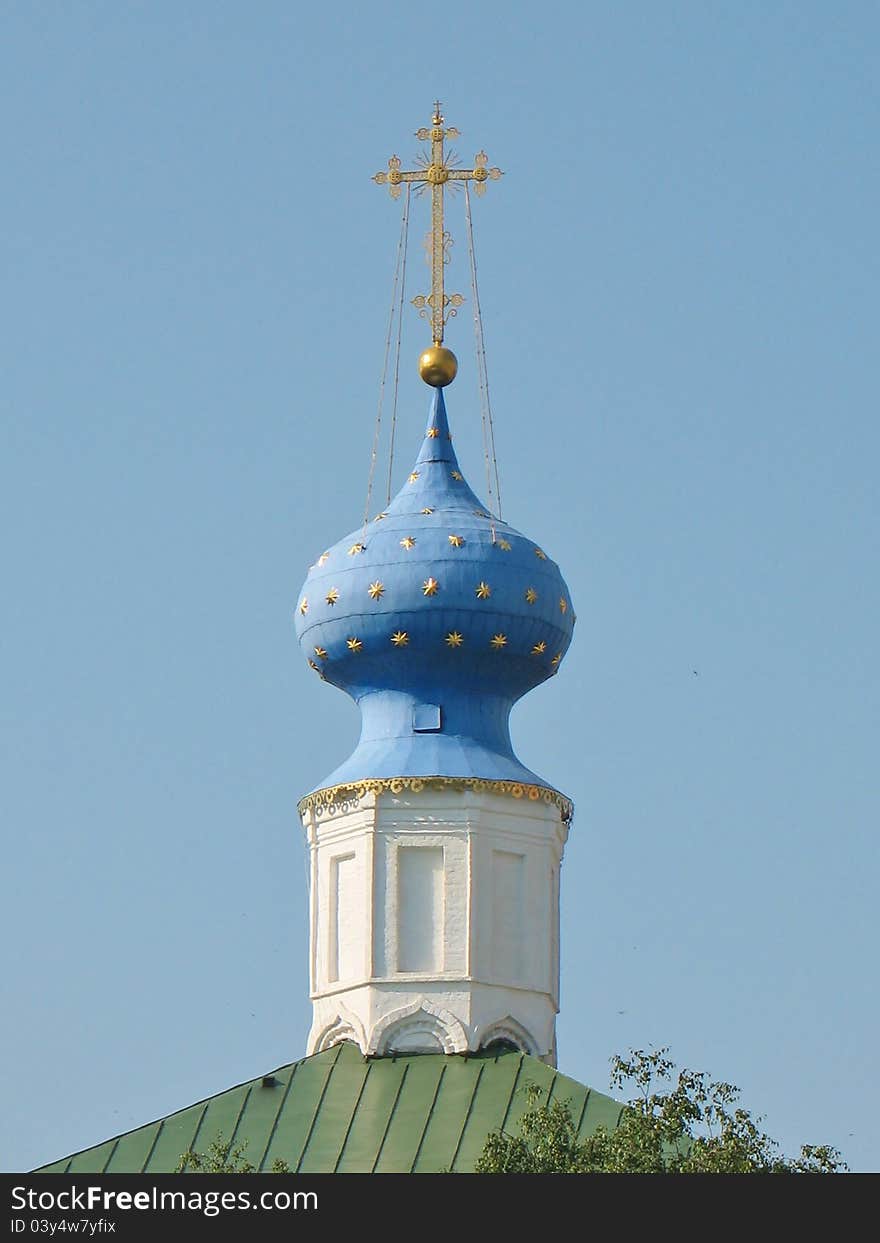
(436, 617)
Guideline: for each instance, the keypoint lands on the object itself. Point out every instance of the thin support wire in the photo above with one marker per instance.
(483, 427)
(378, 428)
(482, 372)
(399, 333)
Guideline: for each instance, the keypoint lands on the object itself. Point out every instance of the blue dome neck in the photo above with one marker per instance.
(404, 734)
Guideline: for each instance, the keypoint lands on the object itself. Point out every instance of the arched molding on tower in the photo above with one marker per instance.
(508, 1030)
(344, 1026)
(421, 1027)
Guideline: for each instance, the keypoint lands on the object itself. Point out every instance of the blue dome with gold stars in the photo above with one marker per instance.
(436, 617)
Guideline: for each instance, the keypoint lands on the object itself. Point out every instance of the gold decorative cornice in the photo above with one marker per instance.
(330, 800)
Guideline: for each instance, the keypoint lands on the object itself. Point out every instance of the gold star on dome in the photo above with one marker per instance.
(407, 542)
(430, 587)
(433, 433)
(427, 510)
(376, 590)
(542, 556)
(498, 641)
(304, 606)
(456, 541)
(332, 596)
(400, 638)
(457, 476)
(539, 648)
(414, 476)
(354, 645)
(481, 513)
(531, 595)
(504, 545)
(321, 653)
(356, 548)
(317, 668)
(563, 604)
(454, 639)
(325, 556)
(483, 591)
(556, 659)
(379, 517)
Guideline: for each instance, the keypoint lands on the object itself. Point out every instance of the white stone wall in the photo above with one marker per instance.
(435, 921)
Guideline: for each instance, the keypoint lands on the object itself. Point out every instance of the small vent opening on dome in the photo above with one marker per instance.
(427, 719)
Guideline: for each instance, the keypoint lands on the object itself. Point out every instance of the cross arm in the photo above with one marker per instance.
(474, 174)
(394, 178)
(479, 173)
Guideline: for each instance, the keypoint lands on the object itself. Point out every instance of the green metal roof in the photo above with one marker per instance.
(339, 1112)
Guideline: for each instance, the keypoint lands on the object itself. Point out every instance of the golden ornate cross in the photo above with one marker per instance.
(436, 171)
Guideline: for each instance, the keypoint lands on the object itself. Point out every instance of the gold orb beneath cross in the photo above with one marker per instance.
(438, 366)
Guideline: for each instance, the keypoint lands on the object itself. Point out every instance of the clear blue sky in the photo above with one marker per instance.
(679, 282)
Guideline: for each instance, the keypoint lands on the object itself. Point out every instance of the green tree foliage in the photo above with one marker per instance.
(222, 1157)
(675, 1123)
